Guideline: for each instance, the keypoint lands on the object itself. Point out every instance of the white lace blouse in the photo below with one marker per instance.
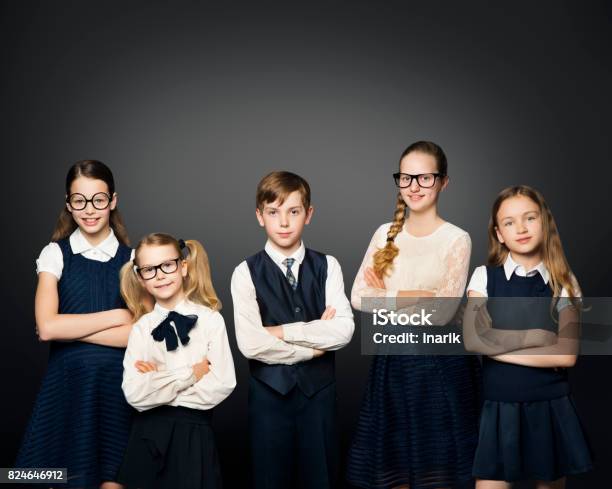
(438, 263)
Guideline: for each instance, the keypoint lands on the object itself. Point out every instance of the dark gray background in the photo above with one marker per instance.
(191, 104)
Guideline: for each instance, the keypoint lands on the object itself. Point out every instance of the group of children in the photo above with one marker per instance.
(142, 328)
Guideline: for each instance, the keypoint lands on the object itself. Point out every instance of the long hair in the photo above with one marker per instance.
(552, 251)
(383, 258)
(197, 285)
(99, 171)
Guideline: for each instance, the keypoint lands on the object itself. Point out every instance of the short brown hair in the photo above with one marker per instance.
(278, 185)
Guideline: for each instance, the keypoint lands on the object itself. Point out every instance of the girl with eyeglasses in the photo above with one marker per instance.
(178, 366)
(418, 422)
(80, 419)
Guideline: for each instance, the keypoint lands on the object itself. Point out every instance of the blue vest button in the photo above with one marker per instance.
(298, 309)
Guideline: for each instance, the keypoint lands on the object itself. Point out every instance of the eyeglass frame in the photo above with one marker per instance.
(138, 270)
(87, 201)
(396, 177)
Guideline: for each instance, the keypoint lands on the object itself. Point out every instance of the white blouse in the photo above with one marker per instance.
(51, 259)
(437, 263)
(174, 382)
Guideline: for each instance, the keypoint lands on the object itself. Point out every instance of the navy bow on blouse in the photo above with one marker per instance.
(165, 331)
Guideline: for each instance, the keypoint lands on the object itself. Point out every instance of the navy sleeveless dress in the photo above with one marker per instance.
(81, 419)
(418, 423)
(529, 429)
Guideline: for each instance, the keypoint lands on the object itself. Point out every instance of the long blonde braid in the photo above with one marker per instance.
(383, 258)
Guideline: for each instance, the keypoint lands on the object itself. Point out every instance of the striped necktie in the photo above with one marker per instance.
(288, 262)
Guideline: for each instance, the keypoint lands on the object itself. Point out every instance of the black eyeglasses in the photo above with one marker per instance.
(425, 180)
(78, 202)
(149, 272)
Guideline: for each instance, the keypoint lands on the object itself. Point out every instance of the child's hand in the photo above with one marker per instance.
(317, 353)
(373, 280)
(144, 367)
(201, 369)
(328, 313)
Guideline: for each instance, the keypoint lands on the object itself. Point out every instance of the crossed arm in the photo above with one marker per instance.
(293, 342)
(109, 328)
(532, 347)
(204, 384)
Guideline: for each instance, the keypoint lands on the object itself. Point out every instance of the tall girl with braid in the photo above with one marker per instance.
(417, 426)
(81, 420)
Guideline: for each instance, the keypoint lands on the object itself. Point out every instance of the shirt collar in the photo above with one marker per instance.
(79, 244)
(510, 267)
(182, 308)
(278, 257)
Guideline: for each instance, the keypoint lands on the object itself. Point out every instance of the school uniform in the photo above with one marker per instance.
(80, 419)
(529, 428)
(418, 422)
(171, 443)
(292, 396)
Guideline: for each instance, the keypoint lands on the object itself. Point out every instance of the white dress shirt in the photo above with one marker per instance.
(300, 338)
(174, 382)
(478, 282)
(51, 259)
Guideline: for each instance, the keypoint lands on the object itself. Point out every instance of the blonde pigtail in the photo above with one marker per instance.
(133, 293)
(198, 283)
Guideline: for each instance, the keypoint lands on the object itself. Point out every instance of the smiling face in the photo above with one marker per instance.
(420, 199)
(166, 288)
(93, 223)
(285, 222)
(519, 225)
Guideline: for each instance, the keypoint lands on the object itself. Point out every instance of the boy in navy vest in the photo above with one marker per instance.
(291, 314)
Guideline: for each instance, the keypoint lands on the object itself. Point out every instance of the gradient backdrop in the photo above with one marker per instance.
(191, 104)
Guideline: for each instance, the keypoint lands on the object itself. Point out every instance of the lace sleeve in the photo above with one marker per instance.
(457, 265)
(360, 288)
(456, 262)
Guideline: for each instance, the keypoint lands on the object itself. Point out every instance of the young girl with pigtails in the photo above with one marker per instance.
(529, 428)
(418, 422)
(178, 366)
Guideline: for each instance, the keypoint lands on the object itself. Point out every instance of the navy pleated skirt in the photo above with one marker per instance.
(418, 423)
(81, 419)
(171, 448)
(531, 440)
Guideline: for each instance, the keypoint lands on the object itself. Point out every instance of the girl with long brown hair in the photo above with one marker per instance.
(418, 422)
(81, 420)
(178, 365)
(529, 429)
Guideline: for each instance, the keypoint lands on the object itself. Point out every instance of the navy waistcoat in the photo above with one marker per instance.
(512, 383)
(280, 304)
